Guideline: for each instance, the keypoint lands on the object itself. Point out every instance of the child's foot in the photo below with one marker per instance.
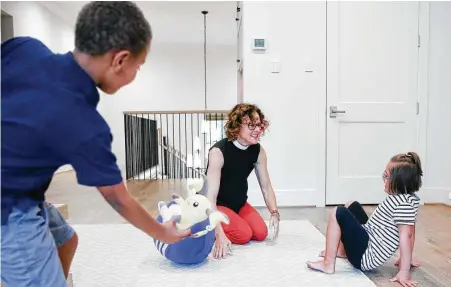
(339, 254)
(322, 266)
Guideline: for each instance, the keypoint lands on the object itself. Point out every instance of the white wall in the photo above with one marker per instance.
(438, 157)
(291, 98)
(32, 19)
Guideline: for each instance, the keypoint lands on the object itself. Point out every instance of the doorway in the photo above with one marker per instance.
(372, 94)
(7, 26)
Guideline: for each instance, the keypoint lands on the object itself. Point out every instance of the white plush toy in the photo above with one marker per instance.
(194, 209)
(195, 185)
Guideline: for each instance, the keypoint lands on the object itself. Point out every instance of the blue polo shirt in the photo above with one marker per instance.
(49, 119)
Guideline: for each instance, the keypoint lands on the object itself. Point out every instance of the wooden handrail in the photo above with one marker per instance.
(177, 112)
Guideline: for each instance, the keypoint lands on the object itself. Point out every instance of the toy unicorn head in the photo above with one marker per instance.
(192, 210)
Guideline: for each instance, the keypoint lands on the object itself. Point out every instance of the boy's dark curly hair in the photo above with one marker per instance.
(244, 113)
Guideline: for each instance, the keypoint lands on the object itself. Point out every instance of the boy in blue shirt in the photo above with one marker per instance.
(49, 119)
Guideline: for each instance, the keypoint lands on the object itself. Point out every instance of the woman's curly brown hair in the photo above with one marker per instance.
(237, 116)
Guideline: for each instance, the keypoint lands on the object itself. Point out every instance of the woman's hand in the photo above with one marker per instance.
(274, 226)
(222, 245)
(404, 279)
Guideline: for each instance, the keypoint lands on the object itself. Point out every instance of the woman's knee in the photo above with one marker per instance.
(240, 235)
(260, 233)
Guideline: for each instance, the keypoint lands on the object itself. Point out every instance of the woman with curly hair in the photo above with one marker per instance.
(230, 163)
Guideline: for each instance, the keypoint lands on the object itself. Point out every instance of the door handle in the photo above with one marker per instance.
(334, 111)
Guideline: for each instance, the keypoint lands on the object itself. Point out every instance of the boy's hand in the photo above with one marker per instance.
(171, 234)
(414, 263)
(404, 279)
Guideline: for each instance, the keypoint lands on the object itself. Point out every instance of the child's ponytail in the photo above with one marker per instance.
(416, 161)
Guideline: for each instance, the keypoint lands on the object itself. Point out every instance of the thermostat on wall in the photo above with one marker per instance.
(259, 44)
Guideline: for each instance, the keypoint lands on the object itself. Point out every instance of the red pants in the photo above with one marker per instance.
(244, 226)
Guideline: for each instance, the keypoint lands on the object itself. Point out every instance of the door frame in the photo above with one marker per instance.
(422, 99)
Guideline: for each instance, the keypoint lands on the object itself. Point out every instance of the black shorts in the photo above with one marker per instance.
(353, 236)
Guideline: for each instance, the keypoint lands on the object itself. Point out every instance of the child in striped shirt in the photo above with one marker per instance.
(369, 242)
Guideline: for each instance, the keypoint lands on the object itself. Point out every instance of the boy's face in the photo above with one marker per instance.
(122, 70)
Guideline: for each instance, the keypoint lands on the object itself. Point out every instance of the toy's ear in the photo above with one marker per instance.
(175, 196)
(216, 217)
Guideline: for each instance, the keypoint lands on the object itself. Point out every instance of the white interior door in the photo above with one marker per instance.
(372, 58)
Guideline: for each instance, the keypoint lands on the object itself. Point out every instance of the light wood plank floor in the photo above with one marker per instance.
(432, 245)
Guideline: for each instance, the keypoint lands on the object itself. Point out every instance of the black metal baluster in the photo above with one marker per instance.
(155, 150)
(186, 149)
(198, 136)
(167, 145)
(173, 147)
(192, 145)
(180, 149)
(126, 147)
(161, 148)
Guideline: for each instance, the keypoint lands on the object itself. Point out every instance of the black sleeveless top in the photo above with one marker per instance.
(238, 164)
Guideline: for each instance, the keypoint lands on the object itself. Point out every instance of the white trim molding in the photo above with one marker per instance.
(423, 88)
(436, 195)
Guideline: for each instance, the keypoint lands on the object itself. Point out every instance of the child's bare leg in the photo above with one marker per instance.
(340, 254)
(341, 250)
(333, 236)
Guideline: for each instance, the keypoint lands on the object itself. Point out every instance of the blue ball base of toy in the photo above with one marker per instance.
(188, 250)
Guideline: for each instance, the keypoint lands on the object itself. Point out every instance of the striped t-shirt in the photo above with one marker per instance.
(382, 228)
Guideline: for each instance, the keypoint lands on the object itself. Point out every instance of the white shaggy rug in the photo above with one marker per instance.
(120, 255)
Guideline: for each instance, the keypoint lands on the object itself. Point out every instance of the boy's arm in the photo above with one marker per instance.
(123, 203)
(96, 166)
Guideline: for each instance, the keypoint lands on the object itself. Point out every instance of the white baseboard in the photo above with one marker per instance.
(436, 195)
(286, 198)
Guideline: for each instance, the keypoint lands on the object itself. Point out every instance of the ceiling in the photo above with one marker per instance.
(174, 21)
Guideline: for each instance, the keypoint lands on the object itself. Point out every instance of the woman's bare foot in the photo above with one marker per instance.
(339, 254)
(322, 266)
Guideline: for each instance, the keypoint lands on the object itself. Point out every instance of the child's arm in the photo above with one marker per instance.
(406, 240)
(414, 263)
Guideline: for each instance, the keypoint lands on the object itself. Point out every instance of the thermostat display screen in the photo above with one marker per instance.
(259, 43)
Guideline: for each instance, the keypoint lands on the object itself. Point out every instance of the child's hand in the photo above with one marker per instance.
(414, 263)
(404, 278)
